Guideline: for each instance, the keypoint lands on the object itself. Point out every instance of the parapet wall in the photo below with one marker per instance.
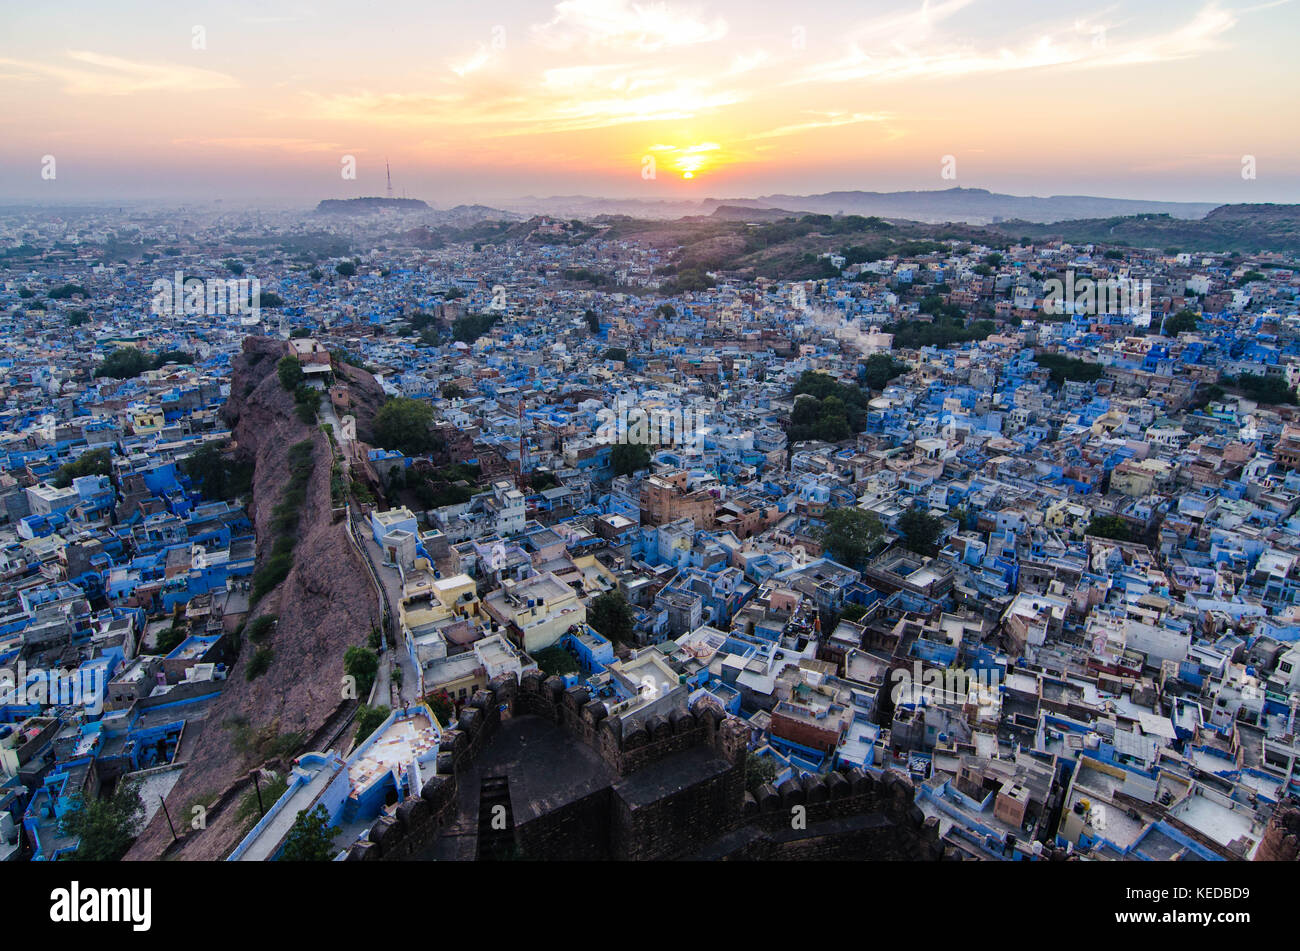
(838, 815)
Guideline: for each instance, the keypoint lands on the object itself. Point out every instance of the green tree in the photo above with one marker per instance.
(920, 530)
(593, 322)
(368, 720)
(124, 363)
(310, 839)
(105, 827)
(289, 370)
(626, 458)
(345, 269)
(94, 462)
(1270, 390)
(362, 664)
(611, 616)
(469, 328)
(879, 369)
(555, 661)
(758, 770)
(217, 475)
(403, 424)
(170, 639)
(1109, 526)
(1185, 321)
(850, 535)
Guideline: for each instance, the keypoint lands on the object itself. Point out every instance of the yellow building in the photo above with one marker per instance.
(537, 611)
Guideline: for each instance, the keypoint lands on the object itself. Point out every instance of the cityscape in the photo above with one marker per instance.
(707, 518)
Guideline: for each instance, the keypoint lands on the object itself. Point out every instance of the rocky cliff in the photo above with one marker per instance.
(325, 605)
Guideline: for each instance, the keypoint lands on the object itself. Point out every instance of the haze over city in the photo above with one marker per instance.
(478, 103)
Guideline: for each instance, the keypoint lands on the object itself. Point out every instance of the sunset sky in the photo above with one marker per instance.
(491, 100)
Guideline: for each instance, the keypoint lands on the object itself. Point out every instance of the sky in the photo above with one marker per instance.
(1183, 100)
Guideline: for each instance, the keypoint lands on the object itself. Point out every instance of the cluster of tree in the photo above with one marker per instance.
(688, 279)
(306, 398)
(126, 362)
(450, 485)
(936, 306)
(920, 530)
(469, 328)
(942, 331)
(539, 480)
(879, 368)
(556, 662)
(1109, 526)
(1185, 321)
(368, 720)
(826, 409)
(593, 322)
(310, 839)
(403, 424)
(217, 474)
(105, 827)
(64, 291)
(1064, 368)
(362, 664)
(94, 462)
(758, 770)
(612, 617)
(1272, 390)
(851, 534)
(289, 370)
(586, 276)
(626, 458)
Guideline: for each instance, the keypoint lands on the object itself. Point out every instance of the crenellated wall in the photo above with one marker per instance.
(678, 792)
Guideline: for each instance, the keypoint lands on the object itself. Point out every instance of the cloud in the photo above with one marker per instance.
(563, 99)
(829, 120)
(910, 46)
(100, 75)
(620, 24)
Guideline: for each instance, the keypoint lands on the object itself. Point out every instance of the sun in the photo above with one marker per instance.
(690, 160)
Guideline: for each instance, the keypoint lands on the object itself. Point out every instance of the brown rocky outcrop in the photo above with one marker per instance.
(325, 605)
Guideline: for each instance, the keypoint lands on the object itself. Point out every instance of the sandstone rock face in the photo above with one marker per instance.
(325, 605)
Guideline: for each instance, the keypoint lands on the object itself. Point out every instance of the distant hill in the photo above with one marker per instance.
(1242, 228)
(361, 206)
(938, 206)
(975, 205)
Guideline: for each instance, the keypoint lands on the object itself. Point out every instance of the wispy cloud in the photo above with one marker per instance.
(828, 120)
(99, 75)
(912, 46)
